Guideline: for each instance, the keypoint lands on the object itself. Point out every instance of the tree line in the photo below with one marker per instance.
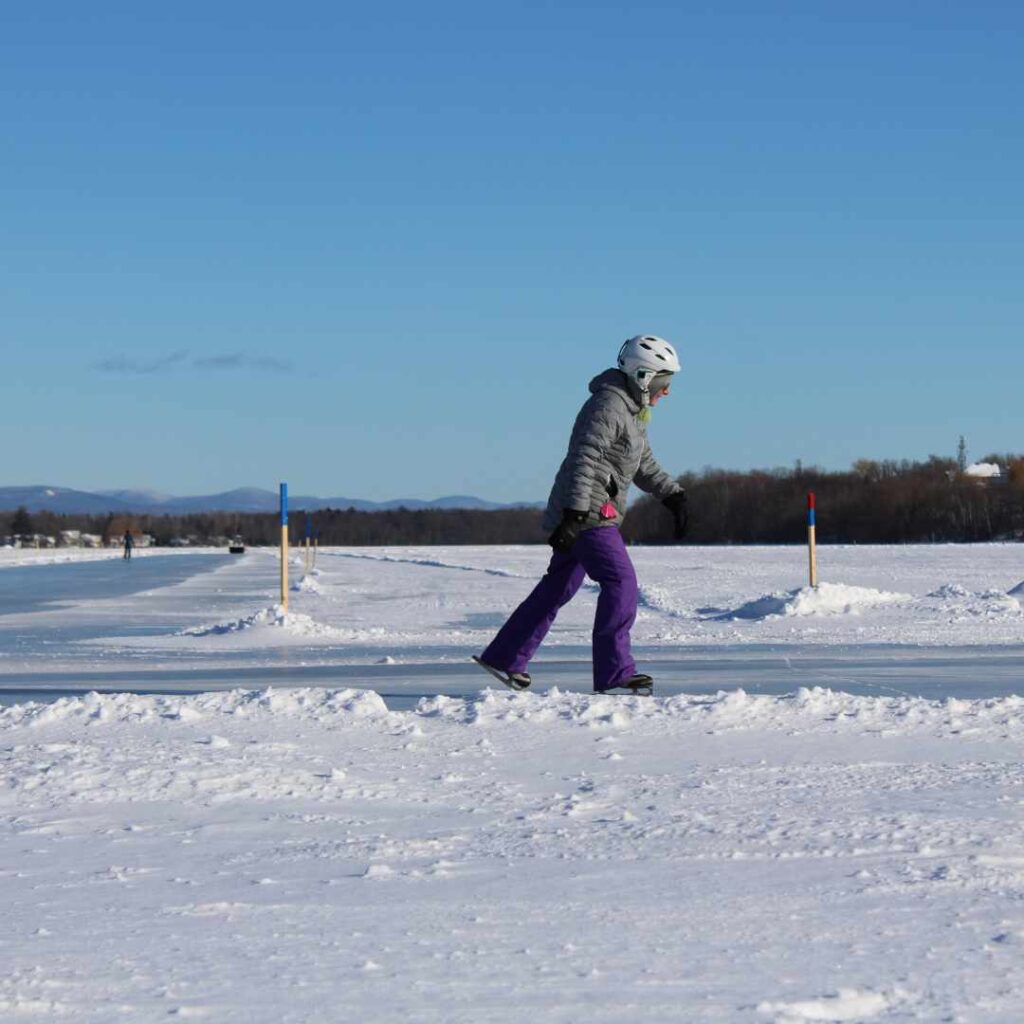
(872, 502)
(346, 527)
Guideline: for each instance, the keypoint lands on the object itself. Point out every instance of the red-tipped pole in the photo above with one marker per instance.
(812, 547)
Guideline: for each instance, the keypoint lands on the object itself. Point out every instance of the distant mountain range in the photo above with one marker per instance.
(243, 499)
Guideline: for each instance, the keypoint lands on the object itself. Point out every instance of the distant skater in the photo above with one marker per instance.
(608, 451)
(129, 543)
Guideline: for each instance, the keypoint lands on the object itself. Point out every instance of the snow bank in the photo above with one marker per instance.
(274, 617)
(307, 585)
(663, 600)
(825, 599)
(961, 603)
(844, 1005)
(807, 710)
(324, 706)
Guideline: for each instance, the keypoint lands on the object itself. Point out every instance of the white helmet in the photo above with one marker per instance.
(642, 357)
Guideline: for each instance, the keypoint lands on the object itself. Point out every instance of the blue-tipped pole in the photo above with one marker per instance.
(284, 547)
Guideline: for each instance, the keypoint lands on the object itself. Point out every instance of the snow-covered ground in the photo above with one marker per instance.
(307, 855)
(310, 854)
(62, 556)
(360, 604)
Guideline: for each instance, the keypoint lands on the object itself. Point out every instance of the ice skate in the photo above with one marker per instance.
(640, 685)
(513, 680)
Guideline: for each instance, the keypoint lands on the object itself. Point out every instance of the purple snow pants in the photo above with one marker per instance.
(600, 554)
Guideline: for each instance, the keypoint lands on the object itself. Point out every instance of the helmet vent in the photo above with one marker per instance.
(643, 344)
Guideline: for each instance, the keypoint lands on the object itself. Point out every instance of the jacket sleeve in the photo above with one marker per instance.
(596, 429)
(650, 477)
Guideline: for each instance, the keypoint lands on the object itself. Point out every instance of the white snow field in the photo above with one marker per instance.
(379, 837)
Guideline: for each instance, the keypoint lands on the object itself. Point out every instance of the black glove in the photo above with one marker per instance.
(676, 504)
(568, 530)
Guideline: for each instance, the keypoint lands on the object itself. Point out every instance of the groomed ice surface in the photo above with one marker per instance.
(365, 604)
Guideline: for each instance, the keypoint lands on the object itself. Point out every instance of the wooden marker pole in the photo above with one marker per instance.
(812, 545)
(284, 547)
(309, 530)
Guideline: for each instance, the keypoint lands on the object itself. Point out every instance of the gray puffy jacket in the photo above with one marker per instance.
(608, 451)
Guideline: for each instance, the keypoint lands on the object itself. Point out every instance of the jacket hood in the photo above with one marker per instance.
(615, 380)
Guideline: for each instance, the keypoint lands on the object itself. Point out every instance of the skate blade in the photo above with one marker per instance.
(626, 691)
(503, 677)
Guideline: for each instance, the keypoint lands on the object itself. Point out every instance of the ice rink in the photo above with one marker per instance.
(929, 621)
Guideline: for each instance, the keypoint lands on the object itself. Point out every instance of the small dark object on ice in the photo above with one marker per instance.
(513, 680)
(640, 685)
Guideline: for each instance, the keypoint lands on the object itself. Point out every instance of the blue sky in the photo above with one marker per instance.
(379, 250)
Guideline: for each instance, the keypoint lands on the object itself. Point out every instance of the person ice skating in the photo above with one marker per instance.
(129, 542)
(608, 451)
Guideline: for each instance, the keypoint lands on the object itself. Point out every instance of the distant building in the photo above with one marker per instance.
(986, 473)
(29, 541)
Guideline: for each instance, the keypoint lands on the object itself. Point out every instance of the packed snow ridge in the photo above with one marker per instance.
(274, 617)
(845, 1005)
(308, 584)
(825, 599)
(838, 599)
(806, 708)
